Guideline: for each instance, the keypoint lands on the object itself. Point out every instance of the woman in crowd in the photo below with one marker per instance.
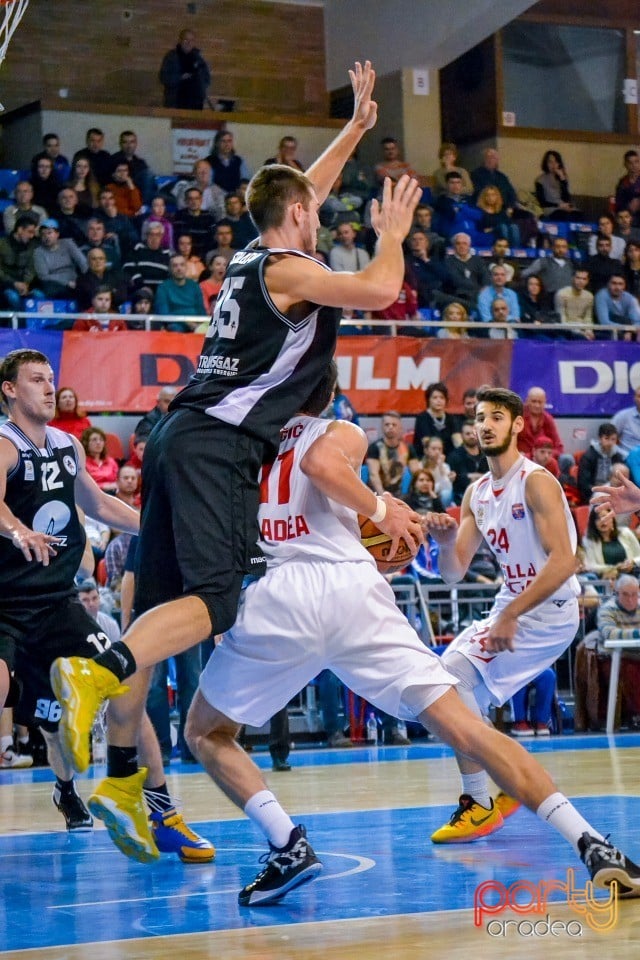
(422, 496)
(610, 550)
(85, 185)
(434, 462)
(195, 266)
(68, 417)
(454, 313)
(100, 466)
(210, 286)
(535, 307)
(552, 189)
(606, 226)
(496, 224)
(46, 185)
(434, 421)
(448, 157)
(159, 215)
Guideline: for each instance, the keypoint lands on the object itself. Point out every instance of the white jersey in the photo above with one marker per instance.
(297, 521)
(506, 523)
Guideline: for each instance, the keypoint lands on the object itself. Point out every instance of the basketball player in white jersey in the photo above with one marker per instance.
(521, 512)
(322, 603)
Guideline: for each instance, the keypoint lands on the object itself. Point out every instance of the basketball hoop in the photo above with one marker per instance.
(11, 13)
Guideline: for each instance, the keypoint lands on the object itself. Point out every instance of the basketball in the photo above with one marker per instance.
(378, 545)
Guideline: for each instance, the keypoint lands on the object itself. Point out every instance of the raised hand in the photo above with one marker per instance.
(395, 214)
(365, 110)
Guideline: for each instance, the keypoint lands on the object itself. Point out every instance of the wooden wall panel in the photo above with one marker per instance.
(269, 56)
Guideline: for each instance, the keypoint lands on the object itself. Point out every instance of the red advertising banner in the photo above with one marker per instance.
(123, 371)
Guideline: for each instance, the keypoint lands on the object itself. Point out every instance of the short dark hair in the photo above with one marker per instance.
(388, 140)
(23, 221)
(607, 430)
(602, 236)
(501, 397)
(469, 392)
(630, 153)
(271, 190)
(440, 387)
(453, 175)
(10, 365)
(320, 396)
(95, 130)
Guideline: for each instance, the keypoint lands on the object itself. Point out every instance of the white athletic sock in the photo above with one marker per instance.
(6, 743)
(561, 814)
(477, 784)
(266, 813)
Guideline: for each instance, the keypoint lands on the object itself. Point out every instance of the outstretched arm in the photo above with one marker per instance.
(100, 505)
(326, 168)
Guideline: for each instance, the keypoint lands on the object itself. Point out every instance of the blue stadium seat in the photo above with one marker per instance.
(8, 180)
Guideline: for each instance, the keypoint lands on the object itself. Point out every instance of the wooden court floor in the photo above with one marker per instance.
(386, 891)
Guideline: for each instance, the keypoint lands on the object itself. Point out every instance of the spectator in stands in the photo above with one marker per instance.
(89, 597)
(632, 267)
(448, 157)
(467, 272)
(142, 306)
(619, 616)
(99, 276)
(499, 254)
(627, 424)
(357, 178)
(71, 219)
(212, 282)
(433, 459)
(86, 186)
(148, 265)
(574, 306)
(392, 165)
(498, 289)
(625, 228)
(613, 305)
(192, 220)
(185, 74)
(539, 722)
(543, 455)
(128, 485)
(23, 207)
(98, 157)
(340, 207)
(223, 239)
(423, 220)
(389, 456)
(195, 266)
(552, 189)
(422, 496)
(100, 466)
(178, 296)
(68, 416)
(601, 265)
(51, 149)
(116, 224)
(97, 239)
(17, 268)
(345, 255)
(628, 187)
(405, 307)
(597, 461)
(434, 421)
(58, 263)
(98, 318)
(148, 422)
(606, 226)
(159, 215)
(469, 403)
(237, 216)
(495, 223)
(427, 275)
(467, 461)
(536, 308)
(139, 169)
(213, 196)
(228, 167)
(499, 315)
(127, 196)
(286, 154)
(138, 446)
(609, 550)
(454, 212)
(488, 175)
(555, 271)
(454, 313)
(538, 423)
(45, 183)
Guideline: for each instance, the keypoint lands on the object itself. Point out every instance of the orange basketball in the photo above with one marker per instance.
(378, 545)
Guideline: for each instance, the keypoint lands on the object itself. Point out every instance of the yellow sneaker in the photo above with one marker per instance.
(80, 687)
(173, 835)
(119, 803)
(506, 805)
(469, 822)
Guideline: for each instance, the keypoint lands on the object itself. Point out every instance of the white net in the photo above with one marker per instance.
(11, 13)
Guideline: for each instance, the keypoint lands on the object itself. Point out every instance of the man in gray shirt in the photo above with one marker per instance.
(556, 271)
(57, 262)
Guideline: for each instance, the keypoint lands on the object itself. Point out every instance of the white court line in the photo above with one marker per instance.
(361, 864)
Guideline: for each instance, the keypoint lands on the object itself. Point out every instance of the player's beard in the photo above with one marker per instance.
(498, 449)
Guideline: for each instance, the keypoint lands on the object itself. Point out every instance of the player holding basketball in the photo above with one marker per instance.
(521, 512)
(42, 477)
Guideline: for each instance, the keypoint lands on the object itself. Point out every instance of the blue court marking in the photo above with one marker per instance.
(376, 863)
(325, 757)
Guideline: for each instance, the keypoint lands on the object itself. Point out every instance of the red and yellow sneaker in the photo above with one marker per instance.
(506, 805)
(469, 822)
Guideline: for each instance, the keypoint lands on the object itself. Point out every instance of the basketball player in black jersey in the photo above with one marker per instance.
(42, 477)
(272, 333)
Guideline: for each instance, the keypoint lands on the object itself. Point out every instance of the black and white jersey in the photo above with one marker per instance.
(40, 492)
(258, 365)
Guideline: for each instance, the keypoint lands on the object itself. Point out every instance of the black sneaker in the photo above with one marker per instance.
(285, 869)
(72, 808)
(606, 863)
